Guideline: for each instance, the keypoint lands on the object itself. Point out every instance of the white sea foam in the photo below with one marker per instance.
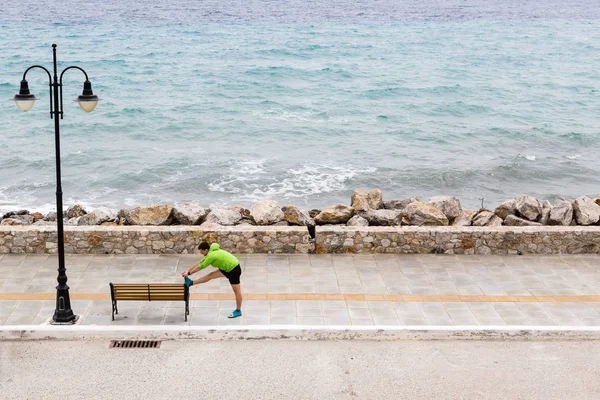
(305, 180)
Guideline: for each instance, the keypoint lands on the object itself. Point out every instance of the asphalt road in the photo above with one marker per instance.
(272, 369)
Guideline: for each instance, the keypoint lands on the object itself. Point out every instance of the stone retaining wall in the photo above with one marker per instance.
(154, 240)
(459, 240)
(281, 239)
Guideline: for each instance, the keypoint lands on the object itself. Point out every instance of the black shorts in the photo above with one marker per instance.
(233, 275)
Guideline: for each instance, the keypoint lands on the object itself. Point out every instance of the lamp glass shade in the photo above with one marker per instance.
(25, 105)
(87, 105)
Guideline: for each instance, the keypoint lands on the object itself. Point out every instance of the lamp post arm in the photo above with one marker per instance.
(73, 67)
(49, 81)
(60, 83)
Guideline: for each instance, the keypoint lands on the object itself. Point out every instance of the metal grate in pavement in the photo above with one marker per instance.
(135, 344)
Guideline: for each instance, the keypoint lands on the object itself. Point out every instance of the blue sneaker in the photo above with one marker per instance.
(235, 314)
(188, 282)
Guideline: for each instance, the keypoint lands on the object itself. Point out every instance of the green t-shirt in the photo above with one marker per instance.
(220, 259)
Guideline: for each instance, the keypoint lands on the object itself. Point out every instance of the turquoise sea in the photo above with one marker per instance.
(228, 102)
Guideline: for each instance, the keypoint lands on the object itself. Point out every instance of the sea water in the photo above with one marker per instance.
(229, 102)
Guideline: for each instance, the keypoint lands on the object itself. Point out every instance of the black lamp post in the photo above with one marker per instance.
(87, 101)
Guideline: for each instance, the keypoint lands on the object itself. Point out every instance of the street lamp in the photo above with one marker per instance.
(87, 101)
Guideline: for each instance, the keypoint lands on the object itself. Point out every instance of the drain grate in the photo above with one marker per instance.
(135, 344)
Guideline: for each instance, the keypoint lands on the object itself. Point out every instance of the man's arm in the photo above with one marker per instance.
(205, 262)
(192, 270)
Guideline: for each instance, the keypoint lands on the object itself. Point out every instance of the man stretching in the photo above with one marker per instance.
(227, 266)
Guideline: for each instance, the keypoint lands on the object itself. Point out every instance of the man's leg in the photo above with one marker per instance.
(208, 277)
(237, 290)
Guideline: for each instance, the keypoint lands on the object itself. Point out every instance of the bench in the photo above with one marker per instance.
(149, 292)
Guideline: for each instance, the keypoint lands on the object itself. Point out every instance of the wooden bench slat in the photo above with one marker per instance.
(146, 293)
(145, 286)
(174, 290)
(152, 298)
(151, 291)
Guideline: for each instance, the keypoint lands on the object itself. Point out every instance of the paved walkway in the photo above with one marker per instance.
(322, 290)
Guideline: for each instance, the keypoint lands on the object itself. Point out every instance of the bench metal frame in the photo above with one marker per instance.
(153, 291)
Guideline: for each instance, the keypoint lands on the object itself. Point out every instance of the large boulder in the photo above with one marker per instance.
(244, 212)
(561, 213)
(36, 216)
(512, 220)
(153, 216)
(528, 207)
(398, 204)
(486, 218)
(189, 214)
(75, 211)
(586, 211)
(281, 223)
(383, 217)
(21, 217)
(506, 208)
(17, 220)
(51, 216)
(449, 205)
(266, 212)
(73, 221)
(222, 216)
(363, 200)
(424, 214)
(546, 210)
(338, 214)
(98, 216)
(15, 213)
(294, 216)
(357, 220)
(465, 219)
(314, 212)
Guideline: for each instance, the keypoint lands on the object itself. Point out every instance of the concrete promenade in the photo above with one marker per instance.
(300, 369)
(325, 291)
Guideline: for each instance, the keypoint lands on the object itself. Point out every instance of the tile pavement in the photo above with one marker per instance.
(426, 275)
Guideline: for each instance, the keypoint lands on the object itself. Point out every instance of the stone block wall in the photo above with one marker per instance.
(296, 239)
(459, 240)
(154, 239)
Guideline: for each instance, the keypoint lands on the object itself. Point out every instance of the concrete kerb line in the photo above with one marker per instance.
(297, 332)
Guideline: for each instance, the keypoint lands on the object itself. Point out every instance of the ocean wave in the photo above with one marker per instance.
(459, 109)
(283, 115)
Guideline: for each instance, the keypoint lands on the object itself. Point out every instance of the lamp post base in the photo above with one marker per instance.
(64, 320)
(63, 314)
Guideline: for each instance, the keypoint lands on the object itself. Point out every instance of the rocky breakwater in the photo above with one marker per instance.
(523, 225)
(159, 229)
(368, 224)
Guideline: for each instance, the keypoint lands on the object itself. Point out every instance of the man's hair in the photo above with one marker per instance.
(204, 246)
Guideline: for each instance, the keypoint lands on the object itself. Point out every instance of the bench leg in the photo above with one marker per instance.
(187, 310)
(114, 310)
